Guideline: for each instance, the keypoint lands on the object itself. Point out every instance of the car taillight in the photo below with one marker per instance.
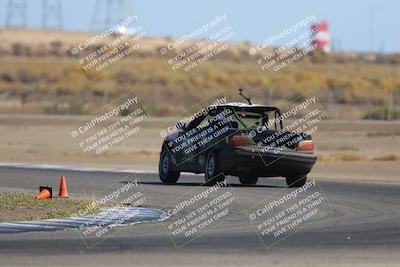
(306, 145)
(240, 140)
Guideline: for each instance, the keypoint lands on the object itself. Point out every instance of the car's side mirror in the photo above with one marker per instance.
(180, 125)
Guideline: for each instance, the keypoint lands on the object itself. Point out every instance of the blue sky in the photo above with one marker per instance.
(351, 22)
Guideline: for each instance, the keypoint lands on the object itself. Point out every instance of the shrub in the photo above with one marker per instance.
(65, 108)
(382, 114)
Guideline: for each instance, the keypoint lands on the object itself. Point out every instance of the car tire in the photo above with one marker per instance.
(165, 170)
(212, 171)
(296, 180)
(248, 180)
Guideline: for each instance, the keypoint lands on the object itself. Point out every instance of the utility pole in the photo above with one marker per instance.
(390, 105)
(16, 13)
(391, 109)
(103, 15)
(270, 92)
(52, 14)
(108, 13)
(371, 29)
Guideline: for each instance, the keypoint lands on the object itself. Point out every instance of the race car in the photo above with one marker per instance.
(237, 139)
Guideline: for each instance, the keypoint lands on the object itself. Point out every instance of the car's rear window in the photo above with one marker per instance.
(240, 119)
(249, 119)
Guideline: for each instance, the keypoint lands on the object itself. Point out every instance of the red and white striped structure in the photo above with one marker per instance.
(321, 36)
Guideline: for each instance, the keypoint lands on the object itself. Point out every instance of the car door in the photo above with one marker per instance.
(192, 153)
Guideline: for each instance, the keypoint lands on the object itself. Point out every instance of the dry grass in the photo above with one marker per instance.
(355, 158)
(53, 82)
(21, 207)
(387, 158)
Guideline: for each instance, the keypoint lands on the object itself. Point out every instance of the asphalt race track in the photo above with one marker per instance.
(362, 226)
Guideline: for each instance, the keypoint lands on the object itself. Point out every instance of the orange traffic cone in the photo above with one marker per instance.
(63, 188)
(45, 192)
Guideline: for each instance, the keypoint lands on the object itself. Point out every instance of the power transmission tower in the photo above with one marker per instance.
(108, 13)
(16, 13)
(52, 14)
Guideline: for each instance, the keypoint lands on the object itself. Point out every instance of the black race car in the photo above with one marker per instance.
(238, 139)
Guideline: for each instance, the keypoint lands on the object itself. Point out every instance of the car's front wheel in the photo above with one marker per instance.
(296, 180)
(166, 173)
(248, 179)
(212, 170)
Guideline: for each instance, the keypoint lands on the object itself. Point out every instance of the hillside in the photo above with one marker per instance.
(38, 74)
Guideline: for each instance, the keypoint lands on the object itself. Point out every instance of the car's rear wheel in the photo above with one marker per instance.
(248, 179)
(212, 170)
(296, 180)
(165, 170)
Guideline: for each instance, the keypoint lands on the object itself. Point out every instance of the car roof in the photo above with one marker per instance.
(240, 106)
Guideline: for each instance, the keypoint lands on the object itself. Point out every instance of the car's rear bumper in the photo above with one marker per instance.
(261, 163)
